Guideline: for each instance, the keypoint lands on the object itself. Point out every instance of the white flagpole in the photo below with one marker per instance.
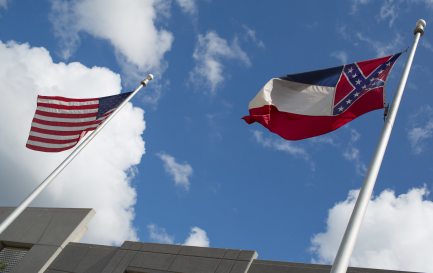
(24, 204)
(347, 244)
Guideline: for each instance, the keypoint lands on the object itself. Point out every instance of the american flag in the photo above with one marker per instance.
(59, 123)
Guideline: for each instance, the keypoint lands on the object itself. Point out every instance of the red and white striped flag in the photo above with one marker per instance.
(59, 123)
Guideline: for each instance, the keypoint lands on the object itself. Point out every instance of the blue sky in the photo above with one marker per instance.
(181, 166)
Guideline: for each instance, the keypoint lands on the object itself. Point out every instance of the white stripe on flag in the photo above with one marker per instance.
(296, 98)
(64, 119)
(61, 128)
(50, 145)
(37, 134)
(64, 111)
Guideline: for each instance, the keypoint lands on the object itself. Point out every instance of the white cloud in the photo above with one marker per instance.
(180, 172)
(343, 31)
(427, 45)
(129, 26)
(341, 56)
(357, 3)
(251, 36)
(159, 235)
(352, 153)
(210, 52)
(382, 48)
(348, 149)
(389, 11)
(283, 146)
(324, 139)
(396, 232)
(96, 178)
(428, 3)
(421, 129)
(188, 6)
(280, 145)
(197, 237)
(4, 4)
(420, 134)
(215, 130)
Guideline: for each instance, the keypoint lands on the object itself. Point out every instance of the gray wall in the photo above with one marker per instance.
(45, 232)
(50, 233)
(133, 257)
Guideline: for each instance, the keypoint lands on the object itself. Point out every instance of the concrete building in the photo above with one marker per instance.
(45, 240)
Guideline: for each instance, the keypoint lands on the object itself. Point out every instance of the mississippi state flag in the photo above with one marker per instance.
(59, 122)
(313, 103)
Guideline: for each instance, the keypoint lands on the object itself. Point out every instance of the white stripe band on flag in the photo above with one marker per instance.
(64, 119)
(50, 145)
(69, 103)
(295, 97)
(61, 128)
(64, 111)
(36, 134)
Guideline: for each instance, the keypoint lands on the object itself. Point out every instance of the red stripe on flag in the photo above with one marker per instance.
(49, 150)
(295, 127)
(66, 124)
(59, 133)
(54, 141)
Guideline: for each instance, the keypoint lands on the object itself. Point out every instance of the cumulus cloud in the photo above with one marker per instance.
(197, 237)
(188, 6)
(159, 235)
(180, 172)
(129, 26)
(396, 232)
(421, 129)
(99, 177)
(210, 52)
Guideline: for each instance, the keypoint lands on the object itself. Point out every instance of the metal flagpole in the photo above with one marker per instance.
(18, 210)
(341, 261)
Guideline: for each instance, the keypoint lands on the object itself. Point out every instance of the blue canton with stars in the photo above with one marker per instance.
(111, 102)
(362, 84)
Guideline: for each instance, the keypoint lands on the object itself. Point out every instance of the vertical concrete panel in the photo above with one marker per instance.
(37, 259)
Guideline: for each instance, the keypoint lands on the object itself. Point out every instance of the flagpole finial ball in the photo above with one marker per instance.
(420, 25)
(147, 79)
